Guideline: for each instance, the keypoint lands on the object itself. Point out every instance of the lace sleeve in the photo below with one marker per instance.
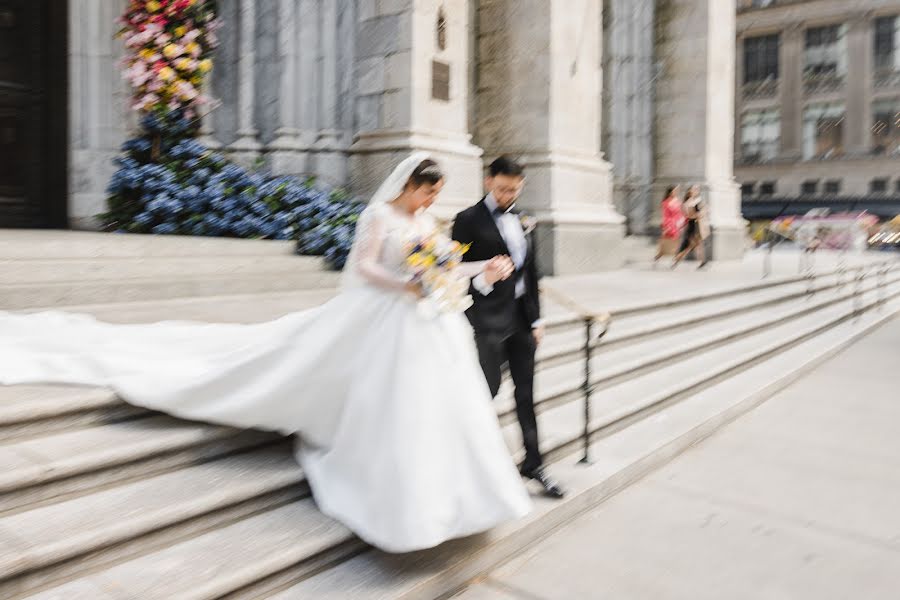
(470, 270)
(364, 258)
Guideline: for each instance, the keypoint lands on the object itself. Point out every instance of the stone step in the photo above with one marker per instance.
(110, 526)
(619, 459)
(672, 316)
(58, 294)
(102, 269)
(28, 411)
(269, 565)
(630, 328)
(19, 244)
(68, 464)
(290, 542)
(562, 382)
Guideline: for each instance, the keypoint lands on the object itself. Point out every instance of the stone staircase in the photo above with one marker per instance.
(99, 500)
(45, 269)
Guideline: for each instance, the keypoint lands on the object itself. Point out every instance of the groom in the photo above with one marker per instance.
(506, 315)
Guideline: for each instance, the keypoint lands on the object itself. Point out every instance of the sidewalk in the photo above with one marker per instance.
(798, 500)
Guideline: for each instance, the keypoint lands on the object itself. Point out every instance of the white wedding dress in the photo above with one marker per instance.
(400, 441)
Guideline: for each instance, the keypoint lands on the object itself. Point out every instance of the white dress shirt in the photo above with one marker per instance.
(513, 235)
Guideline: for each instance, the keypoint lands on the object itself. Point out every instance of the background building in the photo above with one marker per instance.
(818, 104)
(341, 89)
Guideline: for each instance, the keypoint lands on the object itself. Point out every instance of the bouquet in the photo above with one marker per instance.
(432, 261)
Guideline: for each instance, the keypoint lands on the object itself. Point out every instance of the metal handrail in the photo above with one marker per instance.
(590, 319)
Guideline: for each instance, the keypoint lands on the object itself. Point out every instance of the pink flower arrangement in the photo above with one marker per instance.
(170, 45)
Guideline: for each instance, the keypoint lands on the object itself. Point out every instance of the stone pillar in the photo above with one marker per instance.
(330, 161)
(99, 109)
(207, 128)
(695, 126)
(412, 94)
(790, 90)
(627, 107)
(540, 79)
(858, 89)
(245, 149)
(286, 150)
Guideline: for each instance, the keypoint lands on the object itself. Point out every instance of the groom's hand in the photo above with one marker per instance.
(498, 268)
(538, 333)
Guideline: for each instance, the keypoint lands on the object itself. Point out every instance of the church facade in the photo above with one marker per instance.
(606, 102)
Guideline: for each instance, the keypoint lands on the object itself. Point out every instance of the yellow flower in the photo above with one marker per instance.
(414, 260)
(183, 64)
(180, 31)
(196, 80)
(206, 65)
(428, 262)
(172, 50)
(167, 74)
(192, 48)
(153, 6)
(146, 53)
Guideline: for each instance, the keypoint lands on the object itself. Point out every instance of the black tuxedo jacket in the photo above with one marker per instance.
(498, 312)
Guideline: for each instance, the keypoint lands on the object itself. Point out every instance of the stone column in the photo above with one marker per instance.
(398, 110)
(245, 149)
(286, 150)
(540, 80)
(99, 109)
(695, 126)
(627, 107)
(207, 128)
(330, 161)
(858, 124)
(790, 90)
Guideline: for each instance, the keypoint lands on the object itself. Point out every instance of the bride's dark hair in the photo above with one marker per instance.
(428, 171)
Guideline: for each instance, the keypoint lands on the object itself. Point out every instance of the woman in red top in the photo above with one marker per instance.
(672, 224)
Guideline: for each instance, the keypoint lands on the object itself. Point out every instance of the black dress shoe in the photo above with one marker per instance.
(552, 489)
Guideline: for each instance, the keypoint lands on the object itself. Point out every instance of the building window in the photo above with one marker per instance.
(810, 187)
(761, 58)
(760, 135)
(767, 188)
(747, 190)
(823, 130)
(826, 52)
(886, 127)
(833, 187)
(878, 186)
(887, 44)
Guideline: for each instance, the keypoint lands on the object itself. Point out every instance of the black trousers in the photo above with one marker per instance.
(517, 349)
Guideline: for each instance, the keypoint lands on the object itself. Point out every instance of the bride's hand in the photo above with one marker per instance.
(415, 288)
(497, 269)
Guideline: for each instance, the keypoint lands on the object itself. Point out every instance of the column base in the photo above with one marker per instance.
(332, 163)
(727, 243)
(571, 197)
(374, 155)
(245, 151)
(577, 248)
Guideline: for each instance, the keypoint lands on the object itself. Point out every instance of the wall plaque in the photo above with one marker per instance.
(440, 80)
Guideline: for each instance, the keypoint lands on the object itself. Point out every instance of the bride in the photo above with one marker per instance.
(398, 438)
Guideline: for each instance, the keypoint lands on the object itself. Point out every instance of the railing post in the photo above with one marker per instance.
(587, 386)
(882, 282)
(857, 292)
(841, 269)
